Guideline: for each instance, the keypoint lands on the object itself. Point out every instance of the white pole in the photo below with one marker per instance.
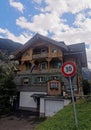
(75, 115)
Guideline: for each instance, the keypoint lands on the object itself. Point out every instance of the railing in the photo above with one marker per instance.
(42, 55)
(39, 71)
(24, 72)
(46, 71)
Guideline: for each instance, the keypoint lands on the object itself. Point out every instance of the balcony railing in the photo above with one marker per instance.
(46, 71)
(42, 55)
(39, 71)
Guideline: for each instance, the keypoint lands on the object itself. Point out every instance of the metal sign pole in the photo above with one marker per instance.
(75, 115)
(69, 69)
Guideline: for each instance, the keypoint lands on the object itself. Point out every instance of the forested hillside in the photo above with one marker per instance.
(7, 69)
(9, 46)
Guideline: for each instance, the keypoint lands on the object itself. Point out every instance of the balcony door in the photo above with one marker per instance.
(43, 65)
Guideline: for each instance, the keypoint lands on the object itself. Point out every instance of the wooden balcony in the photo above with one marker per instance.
(39, 71)
(46, 71)
(42, 55)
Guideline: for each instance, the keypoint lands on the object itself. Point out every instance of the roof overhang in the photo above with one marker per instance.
(38, 95)
(79, 55)
(38, 38)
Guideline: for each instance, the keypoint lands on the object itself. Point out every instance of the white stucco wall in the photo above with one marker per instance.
(42, 105)
(48, 106)
(53, 106)
(27, 101)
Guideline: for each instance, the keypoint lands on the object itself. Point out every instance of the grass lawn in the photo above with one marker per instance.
(64, 119)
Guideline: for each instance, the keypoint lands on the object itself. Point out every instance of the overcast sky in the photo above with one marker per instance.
(61, 20)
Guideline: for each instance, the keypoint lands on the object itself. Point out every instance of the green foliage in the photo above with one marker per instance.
(64, 119)
(86, 87)
(9, 87)
(7, 90)
(7, 67)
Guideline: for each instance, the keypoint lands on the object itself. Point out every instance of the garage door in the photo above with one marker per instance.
(53, 106)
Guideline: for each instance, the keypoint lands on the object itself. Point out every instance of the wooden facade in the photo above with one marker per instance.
(40, 83)
(40, 62)
(41, 56)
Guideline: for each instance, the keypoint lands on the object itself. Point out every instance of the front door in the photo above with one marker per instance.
(38, 104)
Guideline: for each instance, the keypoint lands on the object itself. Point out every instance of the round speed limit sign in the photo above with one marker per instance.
(68, 69)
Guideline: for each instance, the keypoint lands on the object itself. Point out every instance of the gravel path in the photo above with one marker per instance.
(19, 123)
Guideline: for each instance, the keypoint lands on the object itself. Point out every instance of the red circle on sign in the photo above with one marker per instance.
(68, 69)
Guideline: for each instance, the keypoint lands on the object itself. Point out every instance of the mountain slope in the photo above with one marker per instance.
(9, 46)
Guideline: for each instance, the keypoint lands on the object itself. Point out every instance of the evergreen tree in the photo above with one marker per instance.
(86, 87)
(7, 90)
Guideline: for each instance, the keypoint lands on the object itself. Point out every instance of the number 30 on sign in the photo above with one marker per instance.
(68, 69)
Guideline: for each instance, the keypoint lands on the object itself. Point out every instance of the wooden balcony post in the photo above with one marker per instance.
(48, 60)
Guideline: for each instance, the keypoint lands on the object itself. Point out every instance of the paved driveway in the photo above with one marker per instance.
(20, 122)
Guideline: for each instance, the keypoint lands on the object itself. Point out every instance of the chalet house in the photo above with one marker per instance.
(40, 83)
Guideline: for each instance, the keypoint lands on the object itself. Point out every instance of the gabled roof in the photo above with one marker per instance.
(39, 37)
(77, 47)
(74, 49)
(78, 50)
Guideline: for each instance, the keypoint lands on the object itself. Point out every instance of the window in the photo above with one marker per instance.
(26, 81)
(40, 79)
(59, 64)
(55, 50)
(56, 63)
(44, 50)
(39, 50)
(43, 65)
(54, 77)
(54, 85)
(27, 64)
(26, 53)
